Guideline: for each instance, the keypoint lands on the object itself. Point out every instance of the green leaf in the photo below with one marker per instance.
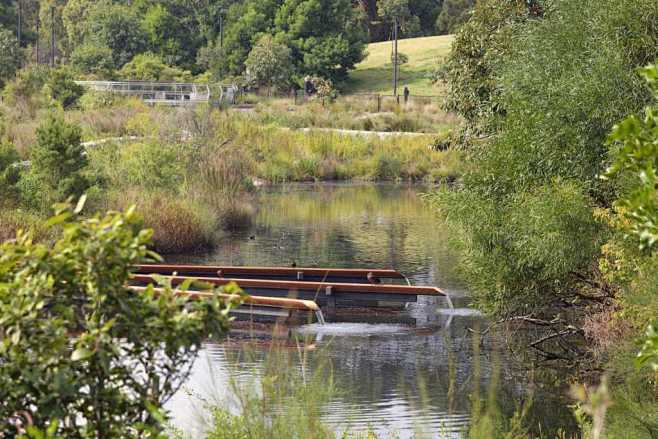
(81, 354)
(58, 219)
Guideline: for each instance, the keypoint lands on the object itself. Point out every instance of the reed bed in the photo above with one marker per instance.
(358, 113)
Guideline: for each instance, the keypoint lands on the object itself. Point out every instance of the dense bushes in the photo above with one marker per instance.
(564, 86)
(528, 192)
(541, 234)
(9, 172)
(82, 355)
(470, 72)
(150, 67)
(520, 254)
(62, 88)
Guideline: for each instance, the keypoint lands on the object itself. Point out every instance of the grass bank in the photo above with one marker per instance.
(374, 74)
(260, 145)
(280, 155)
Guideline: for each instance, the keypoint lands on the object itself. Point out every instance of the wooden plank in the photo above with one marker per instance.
(276, 302)
(336, 287)
(291, 272)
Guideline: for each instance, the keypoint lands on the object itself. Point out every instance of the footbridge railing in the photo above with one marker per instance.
(168, 93)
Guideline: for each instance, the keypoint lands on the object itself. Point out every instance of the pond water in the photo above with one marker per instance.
(407, 374)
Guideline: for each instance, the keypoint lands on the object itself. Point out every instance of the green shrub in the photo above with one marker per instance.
(82, 355)
(150, 67)
(62, 87)
(24, 94)
(95, 100)
(57, 167)
(568, 79)
(94, 59)
(525, 205)
(637, 159)
(387, 167)
(149, 165)
(152, 165)
(11, 56)
(471, 69)
(9, 172)
(520, 255)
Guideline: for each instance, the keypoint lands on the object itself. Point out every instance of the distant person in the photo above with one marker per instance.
(406, 94)
(308, 86)
(231, 91)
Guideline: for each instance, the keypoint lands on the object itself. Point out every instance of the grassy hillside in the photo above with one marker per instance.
(375, 73)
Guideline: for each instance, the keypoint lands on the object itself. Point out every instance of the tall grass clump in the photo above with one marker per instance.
(14, 220)
(222, 182)
(179, 225)
(153, 176)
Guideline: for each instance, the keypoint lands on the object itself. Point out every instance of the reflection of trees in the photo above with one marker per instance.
(376, 225)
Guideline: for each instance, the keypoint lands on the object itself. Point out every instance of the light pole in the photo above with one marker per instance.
(20, 24)
(395, 57)
(52, 36)
(38, 38)
(221, 28)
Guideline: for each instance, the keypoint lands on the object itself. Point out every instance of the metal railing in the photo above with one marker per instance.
(168, 93)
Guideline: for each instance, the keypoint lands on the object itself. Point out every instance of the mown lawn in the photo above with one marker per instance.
(375, 73)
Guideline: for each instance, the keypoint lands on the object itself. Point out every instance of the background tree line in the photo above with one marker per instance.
(324, 38)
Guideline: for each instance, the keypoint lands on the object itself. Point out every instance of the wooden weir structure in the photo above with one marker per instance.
(288, 289)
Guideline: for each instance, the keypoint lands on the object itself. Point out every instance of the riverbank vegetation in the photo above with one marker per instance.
(359, 112)
(544, 238)
(190, 170)
(82, 355)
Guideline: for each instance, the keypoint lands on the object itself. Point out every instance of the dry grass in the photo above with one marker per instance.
(221, 182)
(605, 331)
(179, 225)
(13, 220)
(358, 113)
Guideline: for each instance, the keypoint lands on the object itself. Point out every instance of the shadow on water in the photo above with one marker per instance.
(408, 373)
